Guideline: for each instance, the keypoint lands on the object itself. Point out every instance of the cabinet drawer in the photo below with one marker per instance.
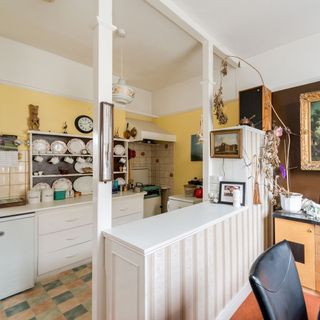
(54, 260)
(63, 239)
(124, 207)
(127, 219)
(59, 219)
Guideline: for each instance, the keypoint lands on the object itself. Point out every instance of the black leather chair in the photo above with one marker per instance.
(276, 285)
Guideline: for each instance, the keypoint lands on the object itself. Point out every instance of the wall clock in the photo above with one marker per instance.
(84, 124)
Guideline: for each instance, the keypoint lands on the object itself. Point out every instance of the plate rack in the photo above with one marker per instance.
(52, 172)
(117, 172)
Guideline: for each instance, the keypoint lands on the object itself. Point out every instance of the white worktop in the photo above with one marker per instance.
(149, 234)
(39, 207)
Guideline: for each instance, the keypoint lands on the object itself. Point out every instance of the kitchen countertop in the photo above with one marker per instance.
(183, 198)
(300, 217)
(147, 235)
(39, 207)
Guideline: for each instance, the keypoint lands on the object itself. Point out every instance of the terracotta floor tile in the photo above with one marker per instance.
(68, 305)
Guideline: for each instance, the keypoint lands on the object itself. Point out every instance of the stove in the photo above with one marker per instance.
(152, 191)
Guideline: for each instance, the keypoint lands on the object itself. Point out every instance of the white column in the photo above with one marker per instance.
(207, 91)
(102, 66)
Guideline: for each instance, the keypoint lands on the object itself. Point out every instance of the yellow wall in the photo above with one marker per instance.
(231, 109)
(53, 111)
(183, 125)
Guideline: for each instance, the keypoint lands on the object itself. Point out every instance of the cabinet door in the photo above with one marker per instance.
(301, 237)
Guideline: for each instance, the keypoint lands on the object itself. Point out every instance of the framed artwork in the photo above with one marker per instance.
(310, 130)
(226, 143)
(196, 148)
(226, 191)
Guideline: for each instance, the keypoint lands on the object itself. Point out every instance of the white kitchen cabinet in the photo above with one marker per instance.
(181, 201)
(64, 237)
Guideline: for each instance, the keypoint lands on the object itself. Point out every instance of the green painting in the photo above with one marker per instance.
(196, 148)
(315, 131)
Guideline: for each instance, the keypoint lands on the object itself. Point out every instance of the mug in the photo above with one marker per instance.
(122, 160)
(89, 159)
(80, 160)
(54, 160)
(68, 160)
(38, 158)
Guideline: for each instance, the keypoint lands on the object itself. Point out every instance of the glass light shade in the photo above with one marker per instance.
(122, 93)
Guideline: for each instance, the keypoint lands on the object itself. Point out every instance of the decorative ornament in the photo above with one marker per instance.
(33, 121)
(65, 127)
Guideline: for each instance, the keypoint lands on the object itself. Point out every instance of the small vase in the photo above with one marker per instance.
(292, 202)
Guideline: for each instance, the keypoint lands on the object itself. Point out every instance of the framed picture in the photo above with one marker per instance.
(226, 143)
(196, 148)
(226, 191)
(310, 130)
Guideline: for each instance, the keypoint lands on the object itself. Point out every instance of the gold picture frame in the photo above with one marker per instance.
(226, 144)
(310, 130)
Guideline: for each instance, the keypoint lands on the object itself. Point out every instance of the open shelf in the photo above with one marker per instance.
(61, 155)
(118, 172)
(62, 175)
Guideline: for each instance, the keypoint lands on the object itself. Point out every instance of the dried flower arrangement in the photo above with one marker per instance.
(276, 173)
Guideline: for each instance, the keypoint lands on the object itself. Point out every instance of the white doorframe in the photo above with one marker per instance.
(102, 197)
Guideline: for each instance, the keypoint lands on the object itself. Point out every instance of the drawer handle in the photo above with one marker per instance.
(71, 239)
(2, 233)
(69, 257)
(309, 230)
(72, 220)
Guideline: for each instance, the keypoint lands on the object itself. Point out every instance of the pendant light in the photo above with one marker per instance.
(121, 92)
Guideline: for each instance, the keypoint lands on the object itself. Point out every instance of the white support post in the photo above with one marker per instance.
(102, 66)
(207, 91)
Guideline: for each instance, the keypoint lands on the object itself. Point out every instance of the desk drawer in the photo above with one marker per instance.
(58, 259)
(124, 207)
(59, 219)
(63, 239)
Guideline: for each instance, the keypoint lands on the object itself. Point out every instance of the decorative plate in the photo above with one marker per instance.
(89, 146)
(119, 150)
(80, 166)
(83, 185)
(62, 183)
(121, 181)
(76, 146)
(41, 186)
(58, 147)
(40, 146)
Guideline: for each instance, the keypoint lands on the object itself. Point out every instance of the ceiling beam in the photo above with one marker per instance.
(174, 13)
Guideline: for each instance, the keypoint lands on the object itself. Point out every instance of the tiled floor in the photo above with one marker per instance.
(64, 296)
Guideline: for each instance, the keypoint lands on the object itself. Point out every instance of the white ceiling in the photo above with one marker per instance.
(250, 27)
(157, 52)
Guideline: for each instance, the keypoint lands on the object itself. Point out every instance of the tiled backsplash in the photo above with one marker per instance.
(14, 181)
(158, 158)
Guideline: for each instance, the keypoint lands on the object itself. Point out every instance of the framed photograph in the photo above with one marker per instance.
(196, 148)
(226, 191)
(310, 130)
(226, 144)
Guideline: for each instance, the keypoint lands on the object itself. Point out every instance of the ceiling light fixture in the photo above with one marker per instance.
(121, 92)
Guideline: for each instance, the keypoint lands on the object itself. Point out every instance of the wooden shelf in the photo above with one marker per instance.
(44, 133)
(62, 175)
(125, 156)
(118, 172)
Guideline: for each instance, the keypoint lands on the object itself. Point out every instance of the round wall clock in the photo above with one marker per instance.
(84, 124)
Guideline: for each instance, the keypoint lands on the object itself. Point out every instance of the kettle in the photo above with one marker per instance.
(198, 193)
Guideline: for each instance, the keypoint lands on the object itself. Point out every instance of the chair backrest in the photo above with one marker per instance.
(275, 283)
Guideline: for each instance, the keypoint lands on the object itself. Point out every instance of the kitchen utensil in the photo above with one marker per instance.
(122, 160)
(68, 160)
(127, 133)
(80, 160)
(133, 132)
(89, 159)
(83, 185)
(198, 193)
(119, 150)
(41, 186)
(34, 196)
(54, 160)
(121, 181)
(58, 147)
(59, 194)
(75, 146)
(47, 195)
(138, 187)
(189, 190)
(89, 146)
(247, 121)
(40, 146)
(81, 166)
(38, 158)
(62, 183)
